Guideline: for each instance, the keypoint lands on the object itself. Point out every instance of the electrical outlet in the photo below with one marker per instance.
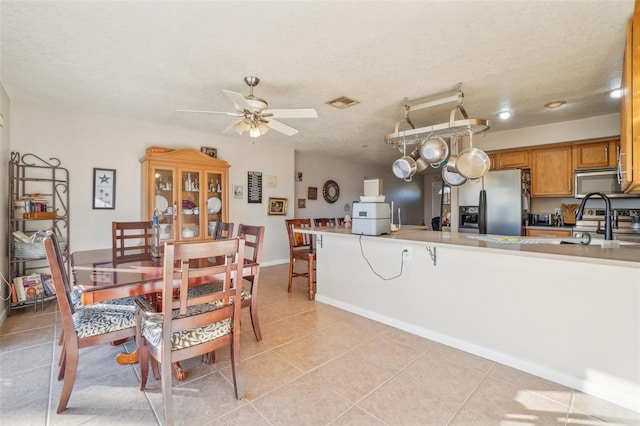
(406, 253)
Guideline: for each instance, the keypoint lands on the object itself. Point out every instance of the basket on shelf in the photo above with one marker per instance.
(36, 250)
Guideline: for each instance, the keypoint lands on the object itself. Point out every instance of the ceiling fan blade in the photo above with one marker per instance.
(239, 101)
(291, 113)
(238, 126)
(231, 114)
(282, 128)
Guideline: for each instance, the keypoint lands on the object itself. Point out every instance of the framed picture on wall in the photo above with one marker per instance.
(104, 189)
(277, 206)
(302, 203)
(313, 193)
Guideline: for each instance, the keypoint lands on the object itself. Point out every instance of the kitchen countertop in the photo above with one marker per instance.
(622, 255)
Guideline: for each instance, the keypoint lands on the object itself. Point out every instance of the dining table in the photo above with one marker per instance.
(99, 278)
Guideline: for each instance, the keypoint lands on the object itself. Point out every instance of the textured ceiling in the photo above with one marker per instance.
(144, 60)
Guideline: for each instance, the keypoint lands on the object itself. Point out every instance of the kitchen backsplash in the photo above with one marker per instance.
(548, 205)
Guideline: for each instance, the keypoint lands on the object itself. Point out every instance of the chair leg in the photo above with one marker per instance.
(253, 306)
(166, 381)
(71, 368)
(312, 294)
(62, 362)
(143, 360)
(291, 262)
(235, 369)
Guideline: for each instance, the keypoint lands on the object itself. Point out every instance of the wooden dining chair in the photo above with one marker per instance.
(254, 236)
(82, 328)
(301, 248)
(324, 221)
(223, 230)
(131, 241)
(189, 325)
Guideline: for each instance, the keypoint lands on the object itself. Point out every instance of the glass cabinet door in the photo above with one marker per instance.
(214, 200)
(165, 202)
(190, 203)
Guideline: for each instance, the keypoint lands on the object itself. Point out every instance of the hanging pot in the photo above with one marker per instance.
(473, 162)
(404, 167)
(434, 150)
(482, 211)
(452, 178)
(420, 163)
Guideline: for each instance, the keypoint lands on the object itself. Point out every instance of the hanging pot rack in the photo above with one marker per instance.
(451, 129)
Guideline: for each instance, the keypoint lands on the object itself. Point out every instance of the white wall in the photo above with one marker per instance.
(5, 140)
(349, 175)
(82, 142)
(566, 131)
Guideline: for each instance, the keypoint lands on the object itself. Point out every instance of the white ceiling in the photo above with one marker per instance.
(144, 60)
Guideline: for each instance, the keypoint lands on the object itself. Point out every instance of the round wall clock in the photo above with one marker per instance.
(330, 191)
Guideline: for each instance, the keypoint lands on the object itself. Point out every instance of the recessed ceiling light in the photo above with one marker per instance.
(504, 115)
(554, 104)
(615, 93)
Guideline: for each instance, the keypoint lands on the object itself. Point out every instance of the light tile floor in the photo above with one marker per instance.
(316, 365)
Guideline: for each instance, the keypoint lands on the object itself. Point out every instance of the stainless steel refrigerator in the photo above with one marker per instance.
(506, 202)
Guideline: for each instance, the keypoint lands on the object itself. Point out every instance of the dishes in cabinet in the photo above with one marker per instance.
(214, 205)
(186, 204)
(187, 211)
(161, 203)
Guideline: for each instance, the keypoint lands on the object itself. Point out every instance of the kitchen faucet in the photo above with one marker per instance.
(608, 231)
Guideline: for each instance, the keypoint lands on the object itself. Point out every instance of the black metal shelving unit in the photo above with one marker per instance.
(32, 176)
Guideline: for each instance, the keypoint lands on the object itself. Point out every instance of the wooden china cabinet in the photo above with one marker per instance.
(189, 190)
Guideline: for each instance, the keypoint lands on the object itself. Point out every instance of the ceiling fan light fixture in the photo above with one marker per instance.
(254, 131)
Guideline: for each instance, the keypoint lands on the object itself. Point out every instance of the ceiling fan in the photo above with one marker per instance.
(254, 117)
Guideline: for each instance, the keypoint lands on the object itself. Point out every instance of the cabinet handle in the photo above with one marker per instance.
(569, 186)
(606, 154)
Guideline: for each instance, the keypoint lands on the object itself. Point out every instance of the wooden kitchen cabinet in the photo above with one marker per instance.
(189, 190)
(596, 155)
(493, 161)
(551, 172)
(548, 233)
(513, 159)
(629, 108)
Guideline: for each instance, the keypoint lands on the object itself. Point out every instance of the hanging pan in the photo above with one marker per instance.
(450, 173)
(473, 162)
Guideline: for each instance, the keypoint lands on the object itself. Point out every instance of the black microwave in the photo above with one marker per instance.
(606, 181)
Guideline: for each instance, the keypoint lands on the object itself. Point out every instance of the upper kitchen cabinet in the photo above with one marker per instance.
(551, 172)
(630, 107)
(596, 154)
(518, 159)
(188, 189)
(509, 159)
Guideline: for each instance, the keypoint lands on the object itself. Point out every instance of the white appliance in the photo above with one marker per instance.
(371, 218)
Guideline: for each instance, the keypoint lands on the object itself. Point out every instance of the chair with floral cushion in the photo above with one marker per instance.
(82, 328)
(188, 325)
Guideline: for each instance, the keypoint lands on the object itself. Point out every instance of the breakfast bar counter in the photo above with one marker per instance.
(568, 313)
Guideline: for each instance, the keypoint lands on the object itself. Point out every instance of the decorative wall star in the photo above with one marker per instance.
(104, 179)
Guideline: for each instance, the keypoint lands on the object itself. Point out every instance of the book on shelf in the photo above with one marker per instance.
(28, 287)
(47, 284)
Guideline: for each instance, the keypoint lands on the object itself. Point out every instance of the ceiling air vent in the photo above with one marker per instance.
(342, 102)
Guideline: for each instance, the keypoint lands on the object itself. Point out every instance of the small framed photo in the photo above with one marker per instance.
(313, 193)
(277, 206)
(302, 203)
(104, 189)
(211, 152)
(238, 191)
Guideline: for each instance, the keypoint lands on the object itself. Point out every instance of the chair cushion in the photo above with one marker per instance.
(199, 290)
(123, 303)
(93, 322)
(152, 332)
